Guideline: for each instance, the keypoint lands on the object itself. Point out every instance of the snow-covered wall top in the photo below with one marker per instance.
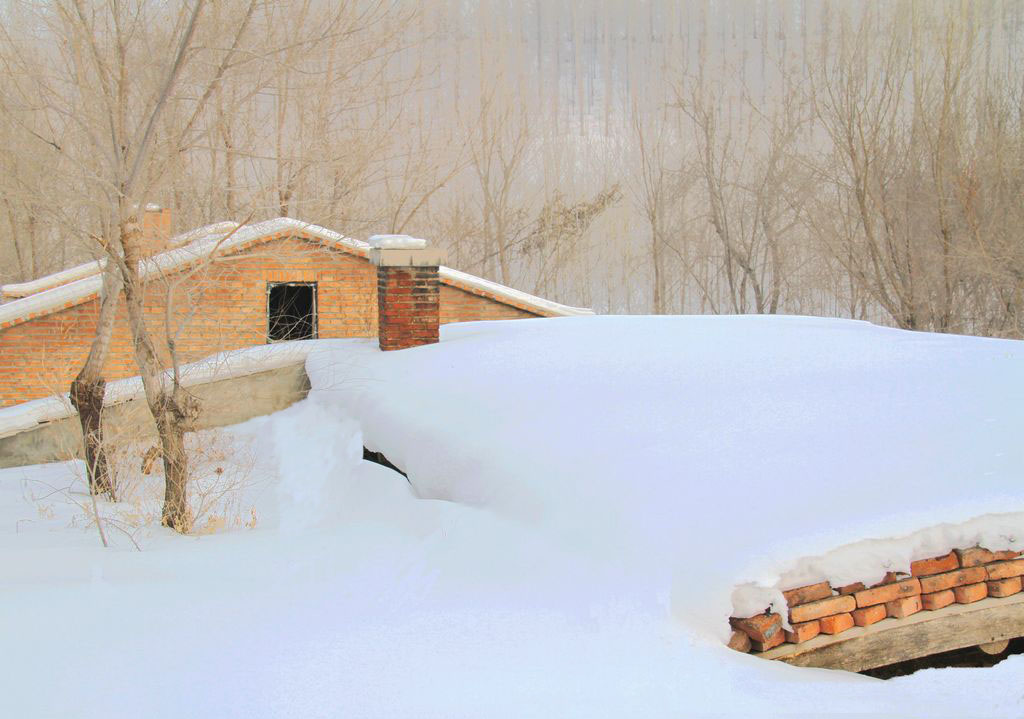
(221, 366)
(78, 284)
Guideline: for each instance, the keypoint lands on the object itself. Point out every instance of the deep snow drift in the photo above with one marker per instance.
(590, 499)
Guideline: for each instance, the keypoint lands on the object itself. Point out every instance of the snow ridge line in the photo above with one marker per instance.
(79, 284)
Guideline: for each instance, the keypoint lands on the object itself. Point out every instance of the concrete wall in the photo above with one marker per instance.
(224, 402)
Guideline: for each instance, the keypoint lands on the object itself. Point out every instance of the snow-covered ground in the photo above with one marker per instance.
(590, 499)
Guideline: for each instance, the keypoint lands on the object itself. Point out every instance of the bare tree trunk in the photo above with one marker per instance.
(89, 387)
(173, 409)
(175, 416)
(87, 397)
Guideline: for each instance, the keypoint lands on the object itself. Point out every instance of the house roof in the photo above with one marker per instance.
(79, 284)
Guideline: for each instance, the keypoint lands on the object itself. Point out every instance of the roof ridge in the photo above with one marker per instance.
(94, 267)
(229, 236)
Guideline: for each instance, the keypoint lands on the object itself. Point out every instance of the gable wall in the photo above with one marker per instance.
(221, 307)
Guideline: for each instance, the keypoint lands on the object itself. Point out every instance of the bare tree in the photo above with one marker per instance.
(122, 88)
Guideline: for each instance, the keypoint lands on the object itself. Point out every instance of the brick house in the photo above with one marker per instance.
(223, 287)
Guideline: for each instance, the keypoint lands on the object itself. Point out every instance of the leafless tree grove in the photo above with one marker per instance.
(852, 160)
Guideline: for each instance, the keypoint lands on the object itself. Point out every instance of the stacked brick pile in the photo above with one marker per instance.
(962, 576)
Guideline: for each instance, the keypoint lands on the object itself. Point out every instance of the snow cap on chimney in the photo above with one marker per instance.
(397, 242)
(403, 251)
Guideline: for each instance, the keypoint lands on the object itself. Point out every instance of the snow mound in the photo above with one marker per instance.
(588, 500)
(733, 456)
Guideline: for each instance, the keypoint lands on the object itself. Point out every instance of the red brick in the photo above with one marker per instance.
(1004, 587)
(888, 592)
(970, 592)
(974, 556)
(935, 565)
(760, 628)
(867, 616)
(904, 607)
(809, 593)
(821, 608)
(739, 641)
(1002, 570)
(803, 631)
(1005, 554)
(851, 588)
(836, 623)
(948, 580)
(937, 600)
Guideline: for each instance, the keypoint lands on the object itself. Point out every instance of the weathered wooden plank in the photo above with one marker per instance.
(898, 640)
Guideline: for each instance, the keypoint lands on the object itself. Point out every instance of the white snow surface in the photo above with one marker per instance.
(588, 501)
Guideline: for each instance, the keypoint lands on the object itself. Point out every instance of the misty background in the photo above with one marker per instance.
(859, 160)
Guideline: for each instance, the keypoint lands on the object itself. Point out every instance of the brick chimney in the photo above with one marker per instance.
(408, 291)
(156, 229)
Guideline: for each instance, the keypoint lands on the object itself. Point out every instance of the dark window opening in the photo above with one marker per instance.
(291, 311)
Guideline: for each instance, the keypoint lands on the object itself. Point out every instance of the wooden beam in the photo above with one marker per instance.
(898, 640)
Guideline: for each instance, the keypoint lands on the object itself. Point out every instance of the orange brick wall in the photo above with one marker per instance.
(219, 308)
(461, 306)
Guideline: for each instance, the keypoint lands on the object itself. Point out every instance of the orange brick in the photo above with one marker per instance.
(821, 608)
(851, 588)
(836, 623)
(891, 577)
(904, 607)
(867, 616)
(1002, 570)
(924, 567)
(760, 628)
(970, 592)
(739, 641)
(974, 556)
(803, 631)
(809, 593)
(937, 600)
(1005, 554)
(888, 592)
(1004, 587)
(771, 643)
(948, 580)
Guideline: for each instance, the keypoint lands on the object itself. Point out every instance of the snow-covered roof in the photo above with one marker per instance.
(88, 269)
(78, 284)
(24, 289)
